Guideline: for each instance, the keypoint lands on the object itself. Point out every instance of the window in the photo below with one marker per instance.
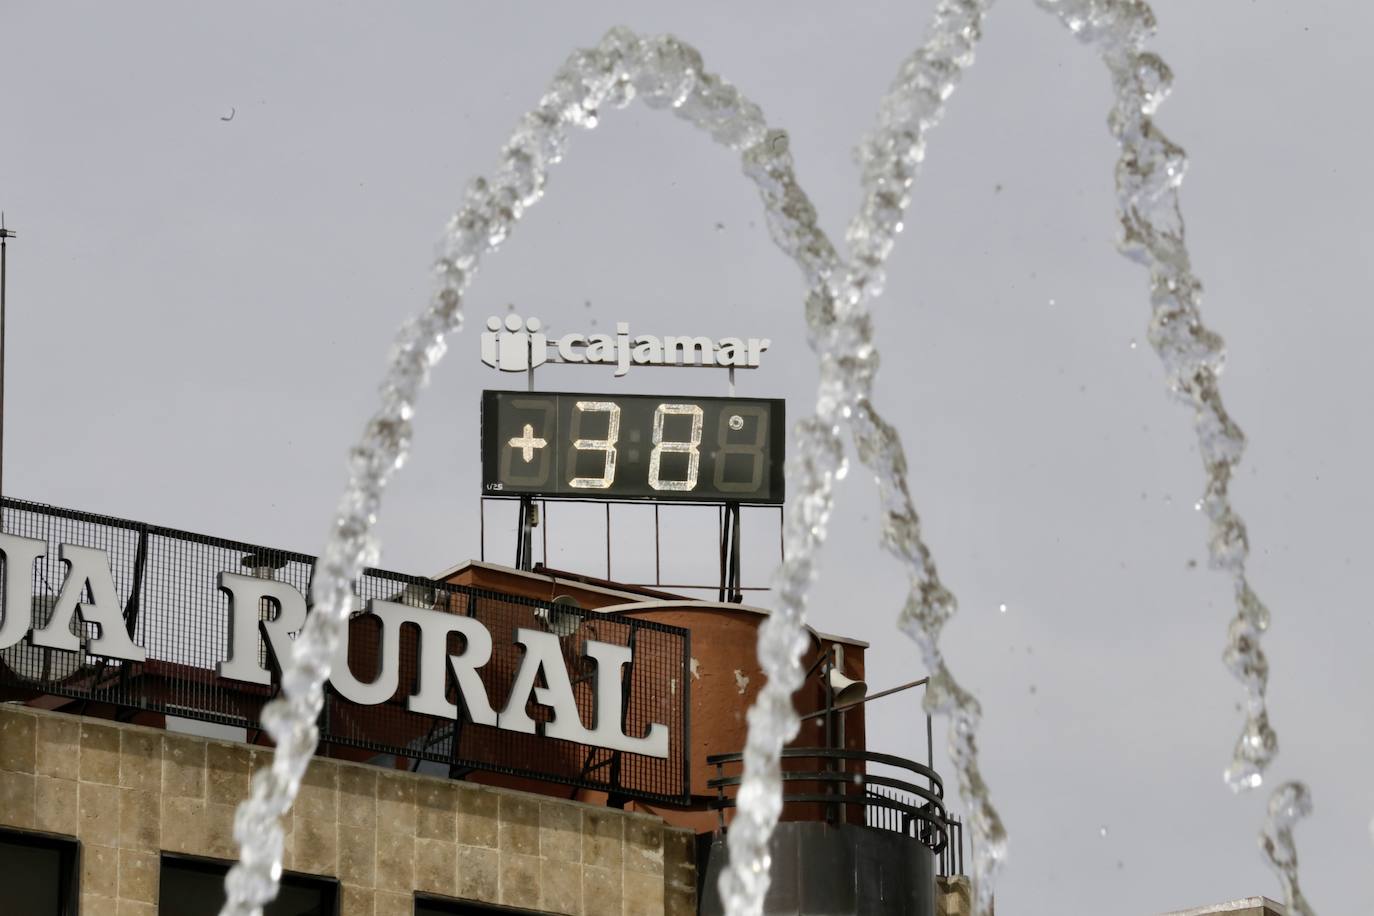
(38, 872)
(444, 906)
(195, 887)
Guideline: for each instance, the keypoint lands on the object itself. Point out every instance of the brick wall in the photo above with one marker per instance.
(128, 792)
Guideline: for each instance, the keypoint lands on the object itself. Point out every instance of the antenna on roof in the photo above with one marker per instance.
(5, 236)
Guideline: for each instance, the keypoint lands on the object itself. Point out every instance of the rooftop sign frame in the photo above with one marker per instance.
(153, 619)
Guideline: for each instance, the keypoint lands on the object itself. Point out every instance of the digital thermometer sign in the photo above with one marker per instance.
(632, 446)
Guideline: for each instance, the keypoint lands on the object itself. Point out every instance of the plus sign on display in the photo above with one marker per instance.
(600, 446)
(527, 443)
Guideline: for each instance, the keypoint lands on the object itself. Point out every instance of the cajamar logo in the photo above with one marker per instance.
(515, 346)
(518, 345)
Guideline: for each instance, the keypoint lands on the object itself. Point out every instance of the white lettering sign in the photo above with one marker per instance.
(517, 345)
(249, 596)
(272, 611)
(88, 570)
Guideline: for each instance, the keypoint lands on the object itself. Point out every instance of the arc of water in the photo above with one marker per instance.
(1289, 803)
(842, 335)
(665, 73)
(1148, 177)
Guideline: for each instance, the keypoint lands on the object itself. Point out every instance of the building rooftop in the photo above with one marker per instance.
(1248, 906)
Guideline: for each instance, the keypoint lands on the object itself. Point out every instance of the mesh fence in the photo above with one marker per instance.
(166, 582)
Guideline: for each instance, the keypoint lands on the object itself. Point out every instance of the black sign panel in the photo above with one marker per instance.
(632, 446)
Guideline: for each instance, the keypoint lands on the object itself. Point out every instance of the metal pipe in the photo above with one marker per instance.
(524, 544)
(5, 235)
(735, 575)
(703, 586)
(871, 696)
(961, 847)
(720, 536)
(830, 810)
(782, 537)
(930, 745)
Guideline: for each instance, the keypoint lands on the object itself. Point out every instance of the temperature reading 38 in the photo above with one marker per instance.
(632, 447)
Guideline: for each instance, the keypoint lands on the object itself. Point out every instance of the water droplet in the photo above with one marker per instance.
(1242, 775)
(1032, 689)
(1051, 303)
(1002, 608)
(1102, 831)
(720, 227)
(736, 421)
(1132, 344)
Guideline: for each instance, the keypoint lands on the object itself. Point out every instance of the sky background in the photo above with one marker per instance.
(200, 309)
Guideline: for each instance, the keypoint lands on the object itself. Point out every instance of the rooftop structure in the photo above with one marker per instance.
(535, 739)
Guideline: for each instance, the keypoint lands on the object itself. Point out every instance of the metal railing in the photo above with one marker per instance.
(165, 582)
(727, 528)
(950, 860)
(829, 784)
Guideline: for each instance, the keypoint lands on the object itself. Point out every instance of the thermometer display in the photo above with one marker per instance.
(604, 446)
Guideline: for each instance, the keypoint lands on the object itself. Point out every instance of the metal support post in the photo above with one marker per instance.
(730, 589)
(5, 236)
(524, 544)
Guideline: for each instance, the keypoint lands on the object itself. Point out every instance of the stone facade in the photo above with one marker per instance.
(129, 793)
(953, 896)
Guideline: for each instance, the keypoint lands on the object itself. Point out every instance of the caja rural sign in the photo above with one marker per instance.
(126, 613)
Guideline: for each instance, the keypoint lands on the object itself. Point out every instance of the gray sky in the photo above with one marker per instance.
(199, 311)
